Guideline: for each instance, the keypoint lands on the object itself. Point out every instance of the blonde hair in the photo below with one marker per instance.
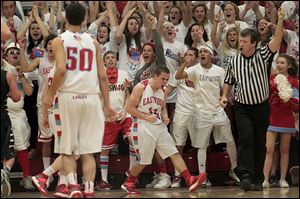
(45, 8)
(226, 47)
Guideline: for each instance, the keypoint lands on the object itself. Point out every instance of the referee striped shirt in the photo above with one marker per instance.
(250, 75)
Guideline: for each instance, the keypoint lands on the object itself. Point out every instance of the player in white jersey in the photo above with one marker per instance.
(79, 74)
(44, 65)
(51, 120)
(184, 118)
(210, 116)
(149, 131)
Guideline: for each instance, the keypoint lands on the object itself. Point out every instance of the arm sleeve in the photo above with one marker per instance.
(160, 56)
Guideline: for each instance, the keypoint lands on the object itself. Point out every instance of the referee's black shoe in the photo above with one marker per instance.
(246, 183)
(256, 187)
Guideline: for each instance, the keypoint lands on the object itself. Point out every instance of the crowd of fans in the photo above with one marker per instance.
(138, 36)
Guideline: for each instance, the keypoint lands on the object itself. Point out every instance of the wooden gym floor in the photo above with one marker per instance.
(209, 192)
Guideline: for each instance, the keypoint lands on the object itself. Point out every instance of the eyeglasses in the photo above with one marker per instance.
(14, 52)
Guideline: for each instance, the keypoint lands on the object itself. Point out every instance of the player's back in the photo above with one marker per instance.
(81, 64)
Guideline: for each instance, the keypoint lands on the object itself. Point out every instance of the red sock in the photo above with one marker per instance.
(156, 168)
(24, 162)
(162, 168)
(187, 176)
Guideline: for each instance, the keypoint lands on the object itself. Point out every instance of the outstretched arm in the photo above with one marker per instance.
(181, 74)
(5, 32)
(121, 27)
(275, 43)
(60, 59)
(224, 98)
(109, 112)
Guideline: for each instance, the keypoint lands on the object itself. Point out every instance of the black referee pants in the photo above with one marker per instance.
(252, 123)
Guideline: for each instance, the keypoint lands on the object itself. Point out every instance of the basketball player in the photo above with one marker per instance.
(49, 121)
(79, 74)
(44, 65)
(149, 131)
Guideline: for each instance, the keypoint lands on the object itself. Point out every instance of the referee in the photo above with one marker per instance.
(249, 73)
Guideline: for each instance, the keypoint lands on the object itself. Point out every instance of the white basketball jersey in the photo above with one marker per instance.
(44, 68)
(82, 72)
(50, 76)
(151, 102)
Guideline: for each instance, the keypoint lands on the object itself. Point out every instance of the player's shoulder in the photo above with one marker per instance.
(144, 83)
(57, 40)
(140, 87)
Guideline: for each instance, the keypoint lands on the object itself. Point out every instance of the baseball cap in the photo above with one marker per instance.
(12, 45)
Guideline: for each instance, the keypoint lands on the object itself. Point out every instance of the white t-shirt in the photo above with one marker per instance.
(243, 25)
(12, 106)
(129, 62)
(209, 25)
(173, 53)
(180, 31)
(20, 9)
(289, 7)
(185, 97)
(225, 57)
(34, 75)
(108, 46)
(292, 41)
(208, 84)
(117, 92)
(250, 17)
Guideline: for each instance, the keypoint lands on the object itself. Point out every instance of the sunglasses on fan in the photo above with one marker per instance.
(13, 52)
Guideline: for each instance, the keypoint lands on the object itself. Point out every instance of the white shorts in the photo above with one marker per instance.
(147, 138)
(218, 124)
(55, 126)
(182, 126)
(45, 134)
(81, 119)
(20, 128)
